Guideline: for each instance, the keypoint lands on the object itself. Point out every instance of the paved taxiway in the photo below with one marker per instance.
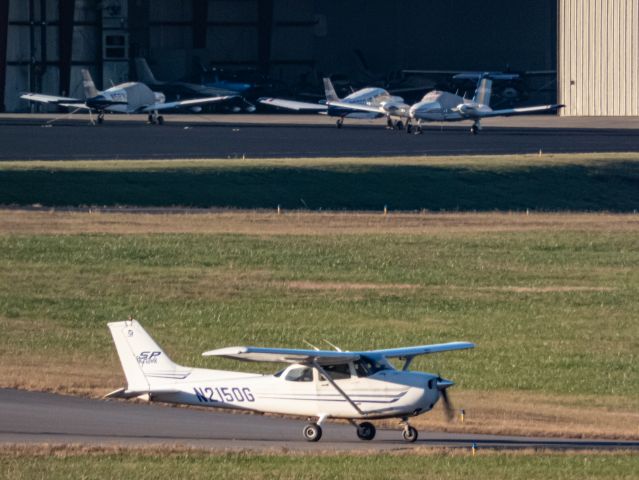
(36, 418)
(24, 137)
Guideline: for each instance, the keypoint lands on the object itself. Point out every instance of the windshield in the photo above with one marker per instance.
(366, 367)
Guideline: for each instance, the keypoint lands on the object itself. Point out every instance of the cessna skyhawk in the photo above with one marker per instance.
(318, 384)
(379, 100)
(130, 97)
(439, 106)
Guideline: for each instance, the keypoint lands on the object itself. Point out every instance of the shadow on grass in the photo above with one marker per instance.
(602, 187)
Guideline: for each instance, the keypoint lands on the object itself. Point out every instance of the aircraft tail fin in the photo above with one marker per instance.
(144, 362)
(331, 96)
(145, 75)
(89, 87)
(484, 90)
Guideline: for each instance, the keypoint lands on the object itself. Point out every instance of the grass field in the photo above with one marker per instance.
(52, 464)
(550, 300)
(601, 182)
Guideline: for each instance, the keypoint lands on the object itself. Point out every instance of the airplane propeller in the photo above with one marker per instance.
(442, 386)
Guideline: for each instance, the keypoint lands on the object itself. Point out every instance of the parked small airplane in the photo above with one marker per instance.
(130, 97)
(379, 100)
(320, 384)
(179, 90)
(437, 106)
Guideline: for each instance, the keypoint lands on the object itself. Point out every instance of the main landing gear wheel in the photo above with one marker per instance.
(409, 434)
(160, 120)
(100, 118)
(409, 128)
(474, 129)
(340, 122)
(366, 431)
(312, 432)
(399, 125)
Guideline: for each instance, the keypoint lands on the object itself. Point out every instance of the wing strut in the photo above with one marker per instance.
(332, 382)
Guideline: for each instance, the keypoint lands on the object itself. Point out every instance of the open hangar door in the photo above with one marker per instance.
(288, 45)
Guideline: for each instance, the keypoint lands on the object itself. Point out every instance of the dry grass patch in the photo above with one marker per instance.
(262, 222)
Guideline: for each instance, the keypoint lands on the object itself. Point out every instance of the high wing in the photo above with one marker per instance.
(293, 105)
(406, 352)
(284, 355)
(185, 103)
(41, 98)
(509, 112)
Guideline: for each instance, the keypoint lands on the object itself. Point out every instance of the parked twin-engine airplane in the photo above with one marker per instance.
(379, 101)
(320, 384)
(130, 97)
(437, 106)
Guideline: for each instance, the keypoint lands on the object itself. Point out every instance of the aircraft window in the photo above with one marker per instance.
(300, 375)
(367, 366)
(279, 374)
(338, 372)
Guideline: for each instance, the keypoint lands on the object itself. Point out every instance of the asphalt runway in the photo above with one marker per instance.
(37, 418)
(26, 138)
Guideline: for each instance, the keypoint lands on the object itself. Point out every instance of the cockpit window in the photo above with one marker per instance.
(300, 375)
(338, 372)
(366, 367)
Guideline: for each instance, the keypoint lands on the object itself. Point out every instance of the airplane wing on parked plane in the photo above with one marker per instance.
(293, 105)
(509, 112)
(52, 99)
(421, 349)
(328, 357)
(283, 355)
(193, 102)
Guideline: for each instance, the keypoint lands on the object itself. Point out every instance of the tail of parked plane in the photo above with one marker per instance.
(145, 75)
(89, 87)
(144, 362)
(331, 96)
(483, 91)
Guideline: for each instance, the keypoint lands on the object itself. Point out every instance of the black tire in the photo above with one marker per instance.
(399, 125)
(100, 119)
(409, 128)
(474, 130)
(339, 123)
(366, 431)
(410, 434)
(312, 432)
(160, 120)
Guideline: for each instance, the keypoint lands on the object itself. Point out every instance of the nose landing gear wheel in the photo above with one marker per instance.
(409, 434)
(339, 122)
(474, 129)
(160, 120)
(312, 432)
(366, 431)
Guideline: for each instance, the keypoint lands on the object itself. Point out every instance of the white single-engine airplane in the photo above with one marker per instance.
(380, 101)
(437, 106)
(318, 384)
(130, 97)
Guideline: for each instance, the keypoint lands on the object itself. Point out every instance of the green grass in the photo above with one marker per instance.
(260, 466)
(573, 331)
(603, 182)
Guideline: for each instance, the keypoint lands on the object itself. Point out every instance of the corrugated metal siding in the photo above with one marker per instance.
(598, 57)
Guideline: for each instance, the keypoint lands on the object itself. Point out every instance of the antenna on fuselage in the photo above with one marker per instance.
(311, 345)
(334, 346)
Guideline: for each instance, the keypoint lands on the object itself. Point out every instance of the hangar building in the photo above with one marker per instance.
(583, 53)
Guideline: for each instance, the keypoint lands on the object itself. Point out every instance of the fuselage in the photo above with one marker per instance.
(303, 390)
(370, 96)
(127, 97)
(445, 106)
